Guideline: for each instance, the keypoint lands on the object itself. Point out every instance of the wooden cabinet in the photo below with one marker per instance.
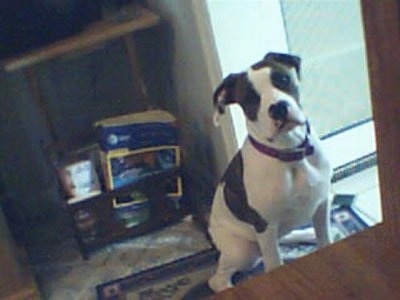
(16, 279)
(360, 267)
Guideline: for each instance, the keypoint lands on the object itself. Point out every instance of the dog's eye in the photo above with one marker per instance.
(281, 80)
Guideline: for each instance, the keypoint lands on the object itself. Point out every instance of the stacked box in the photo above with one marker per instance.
(138, 145)
(122, 167)
(137, 131)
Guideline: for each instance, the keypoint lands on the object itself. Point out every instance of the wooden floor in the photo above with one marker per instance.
(361, 267)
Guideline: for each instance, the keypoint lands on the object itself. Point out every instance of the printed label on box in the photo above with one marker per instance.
(124, 167)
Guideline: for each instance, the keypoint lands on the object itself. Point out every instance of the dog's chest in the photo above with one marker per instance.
(260, 191)
(287, 193)
(308, 186)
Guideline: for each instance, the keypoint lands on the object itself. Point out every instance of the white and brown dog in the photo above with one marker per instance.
(278, 180)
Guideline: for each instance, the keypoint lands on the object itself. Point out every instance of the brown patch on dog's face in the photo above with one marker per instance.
(274, 79)
(282, 75)
(237, 88)
(248, 98)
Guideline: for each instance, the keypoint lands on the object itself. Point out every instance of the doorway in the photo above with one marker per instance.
(328, 36)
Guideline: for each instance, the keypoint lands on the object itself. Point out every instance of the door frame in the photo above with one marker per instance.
(382, 34)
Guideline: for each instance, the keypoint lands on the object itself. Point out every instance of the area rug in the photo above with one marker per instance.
(186, 278)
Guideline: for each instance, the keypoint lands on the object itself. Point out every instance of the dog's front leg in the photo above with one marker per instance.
(268, 243)
(321, 222)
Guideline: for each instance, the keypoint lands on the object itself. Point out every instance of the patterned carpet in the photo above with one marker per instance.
(186, 278)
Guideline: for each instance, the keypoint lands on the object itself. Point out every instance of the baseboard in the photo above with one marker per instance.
(350, 144)
(354, 167)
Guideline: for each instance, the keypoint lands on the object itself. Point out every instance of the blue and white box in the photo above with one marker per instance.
(137, 131)
(138, 145)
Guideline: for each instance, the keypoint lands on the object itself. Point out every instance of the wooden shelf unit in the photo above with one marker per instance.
(93, 35)
(163, 211)
(89, 39)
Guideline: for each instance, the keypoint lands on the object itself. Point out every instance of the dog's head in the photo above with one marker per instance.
(268, 93)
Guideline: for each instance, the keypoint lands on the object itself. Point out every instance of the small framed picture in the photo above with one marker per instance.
(79, 179)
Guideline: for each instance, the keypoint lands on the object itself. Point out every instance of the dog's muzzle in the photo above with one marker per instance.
(279, 110)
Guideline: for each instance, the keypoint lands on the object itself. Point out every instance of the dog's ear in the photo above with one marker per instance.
(227, 93)
(285, 59)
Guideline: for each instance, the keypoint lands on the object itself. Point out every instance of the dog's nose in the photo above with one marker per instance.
(279, 110)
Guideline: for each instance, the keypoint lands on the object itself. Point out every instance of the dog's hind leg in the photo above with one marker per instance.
(236, 254)
(222, 279)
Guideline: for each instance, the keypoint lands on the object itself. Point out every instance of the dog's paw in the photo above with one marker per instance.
(219, 283)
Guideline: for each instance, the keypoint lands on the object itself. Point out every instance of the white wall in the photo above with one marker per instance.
(244, 31)
(331, 45)
(195, 74)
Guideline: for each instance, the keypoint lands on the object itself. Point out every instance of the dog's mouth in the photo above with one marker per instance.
(283, 126)
(287, 124)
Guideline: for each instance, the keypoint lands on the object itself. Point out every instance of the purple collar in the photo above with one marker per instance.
(301, 151)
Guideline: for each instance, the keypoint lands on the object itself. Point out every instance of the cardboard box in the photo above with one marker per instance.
(137, 131)
(124, 166)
